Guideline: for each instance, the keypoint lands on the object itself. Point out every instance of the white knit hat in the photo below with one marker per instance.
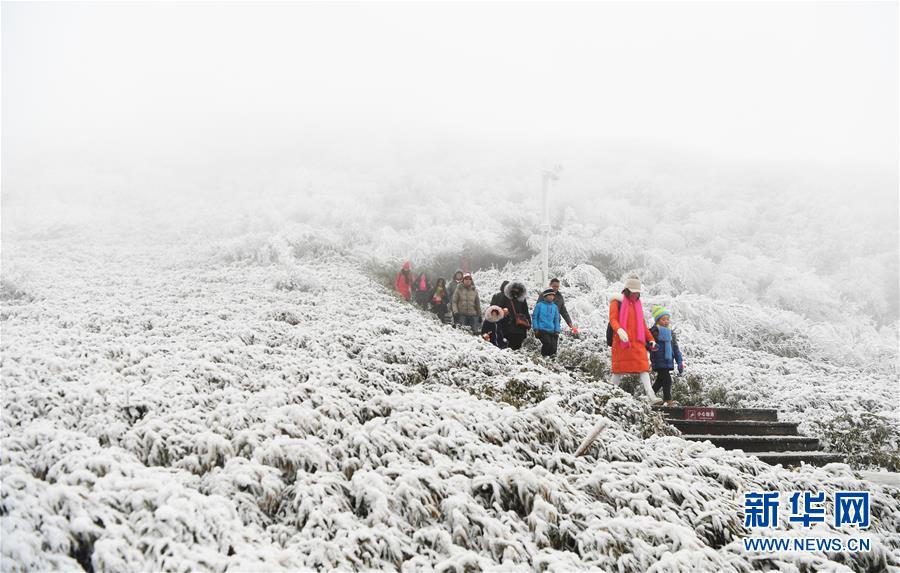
(633, 283)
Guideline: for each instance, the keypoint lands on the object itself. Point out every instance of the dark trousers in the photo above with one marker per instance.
(664, 381)
(441, 311)
(515, 339)
(549, 342)
(467, 321)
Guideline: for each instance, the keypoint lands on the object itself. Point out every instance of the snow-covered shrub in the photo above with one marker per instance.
(594, 364)
(299, 280)
(247, 248)
(287, 317)
(691, 389)
(179, 441)
(289, 244)
(10, 291)
(868, 439)
(256, 489)
(516, 392)
(586, 278)
(515, 245)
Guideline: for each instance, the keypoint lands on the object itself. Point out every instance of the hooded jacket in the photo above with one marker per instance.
(499, 298)
(494, 328)
(516, 305)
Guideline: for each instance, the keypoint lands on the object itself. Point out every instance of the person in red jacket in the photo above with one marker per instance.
(404, 281)
(631, 336)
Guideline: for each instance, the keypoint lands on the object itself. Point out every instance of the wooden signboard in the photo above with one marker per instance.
(699, 413)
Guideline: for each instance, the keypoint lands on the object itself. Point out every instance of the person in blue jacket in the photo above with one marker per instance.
(545, 322)
(666, 355)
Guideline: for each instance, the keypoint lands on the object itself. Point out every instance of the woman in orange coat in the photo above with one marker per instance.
(631, 335)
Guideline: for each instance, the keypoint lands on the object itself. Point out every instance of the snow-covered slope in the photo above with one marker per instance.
(266, 404)
(749, 356)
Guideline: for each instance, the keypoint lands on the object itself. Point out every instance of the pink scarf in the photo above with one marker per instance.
(626, 307)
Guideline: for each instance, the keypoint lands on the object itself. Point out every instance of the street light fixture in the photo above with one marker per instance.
(548, 176)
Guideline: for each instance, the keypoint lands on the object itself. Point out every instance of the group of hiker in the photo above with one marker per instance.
(506, 322)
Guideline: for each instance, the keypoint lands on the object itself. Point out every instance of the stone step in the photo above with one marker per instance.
(796, 458)
(720, 414)
(758, 443)
(736, 427)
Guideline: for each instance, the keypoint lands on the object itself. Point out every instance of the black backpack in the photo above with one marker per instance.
(609, 331)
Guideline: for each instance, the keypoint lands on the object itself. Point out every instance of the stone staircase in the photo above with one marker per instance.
(755, 431)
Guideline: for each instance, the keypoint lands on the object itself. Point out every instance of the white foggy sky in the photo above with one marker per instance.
(796, 81)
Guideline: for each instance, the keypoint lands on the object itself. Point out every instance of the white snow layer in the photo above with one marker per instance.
(282, 411)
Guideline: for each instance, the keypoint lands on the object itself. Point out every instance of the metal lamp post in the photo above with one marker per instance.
(548, 175)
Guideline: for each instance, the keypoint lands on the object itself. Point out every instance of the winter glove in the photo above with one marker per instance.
(574, 329)
(681, 367)
(652, 347)
(623, 336)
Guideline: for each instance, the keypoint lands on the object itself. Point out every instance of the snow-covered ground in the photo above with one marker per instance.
(261, 402)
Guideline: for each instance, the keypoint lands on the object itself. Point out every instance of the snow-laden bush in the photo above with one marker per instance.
(692, 389)
(300, 279)
(586, 277)
(870, 439)
(10, 291)
(295, 241)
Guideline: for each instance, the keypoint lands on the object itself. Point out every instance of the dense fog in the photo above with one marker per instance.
(122, 104)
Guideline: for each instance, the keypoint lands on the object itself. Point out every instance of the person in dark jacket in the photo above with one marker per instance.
(451, 288)
(440, 299)
(666, 355)
(421, 290)
(492, 327)
(499, 299)
(518, 321)
(545, 322)
(561, 305)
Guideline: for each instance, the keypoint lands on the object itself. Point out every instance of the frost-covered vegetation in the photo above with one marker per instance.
(784, 288)
(254, 398)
